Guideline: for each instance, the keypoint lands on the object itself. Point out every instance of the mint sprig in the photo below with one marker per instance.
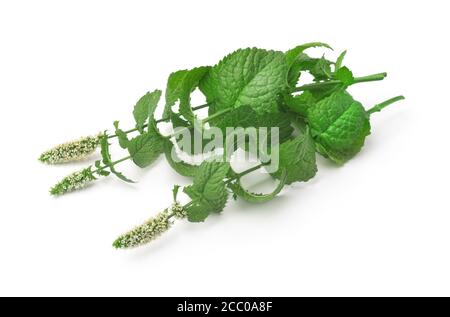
(248, 88)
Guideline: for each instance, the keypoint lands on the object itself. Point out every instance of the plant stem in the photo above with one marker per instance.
(247, 171)
(113, 163)
(250, 170)
(384, 104)
(373, 77)
(157, 121)
(217, 114)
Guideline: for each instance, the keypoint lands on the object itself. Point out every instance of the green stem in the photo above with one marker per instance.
(373, 77)
(384, 104)
(113, 163)
(217, 114)
(157, 121)
(247, 171)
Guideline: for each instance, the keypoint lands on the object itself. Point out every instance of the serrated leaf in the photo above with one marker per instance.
(146, 148)
(145, 108)
(292, 54)
(192, 80)
(246, 117)
(339, 61)
(299, 103)
(239, 191)
(297, 156)
(198, 211)
(297, 60)
(345, 76)
(251, 76)
(180, 85)
(106, 159)
(121, 136)
(181, 167)
(243, 116)
(208, 191)
(178, 122)
(321, 69)
(339, 126)
(173, 90)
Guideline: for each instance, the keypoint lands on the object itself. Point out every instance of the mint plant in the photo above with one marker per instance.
(248, 89)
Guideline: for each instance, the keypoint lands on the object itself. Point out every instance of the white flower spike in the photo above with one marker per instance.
(71, 151)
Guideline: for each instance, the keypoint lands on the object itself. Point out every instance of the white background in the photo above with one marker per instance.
(377, 226)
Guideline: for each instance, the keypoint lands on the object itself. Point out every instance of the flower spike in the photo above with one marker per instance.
(73, 182)
(71, 151)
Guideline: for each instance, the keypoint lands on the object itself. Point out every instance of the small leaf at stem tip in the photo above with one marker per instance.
(339, 61)
(121, 135)
(175, 192)
(345, 76)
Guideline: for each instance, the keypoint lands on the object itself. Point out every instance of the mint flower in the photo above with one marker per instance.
(178, 211)
(151, 229)
(71, 151)
(73, 182)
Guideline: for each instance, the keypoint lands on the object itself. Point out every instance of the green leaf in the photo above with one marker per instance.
(102, 172)
(121, 135)
(299, 103)
(173, 90)
(345, 76)
(191, 82)
(280, 120)
(208, 191)
(294, 53)
(178, 122)
(339, 126)
(175, 190)
(106, 159)
(321, 69)
(339, 61)
(297, 60)
(238, 190)
(246, 117)
(198, 211)
(243, 116)
(146, 148)
(180, 85)
(145, 108)
(251, 76)
(297, 156)
(319, 93)
(181, 167)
